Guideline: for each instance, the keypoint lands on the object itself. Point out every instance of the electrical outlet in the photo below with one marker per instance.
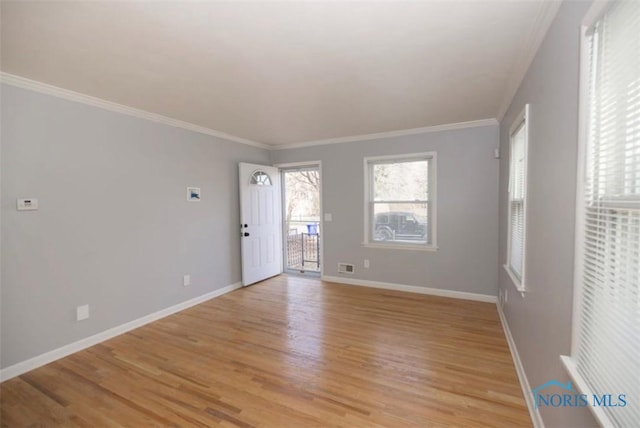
(366, 263)
(82, 312)
(186, 280)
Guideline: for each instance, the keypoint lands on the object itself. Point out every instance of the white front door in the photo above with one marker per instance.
(260, 218)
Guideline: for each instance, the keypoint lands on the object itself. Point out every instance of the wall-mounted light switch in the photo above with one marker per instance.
(327, 217)
(186, 280)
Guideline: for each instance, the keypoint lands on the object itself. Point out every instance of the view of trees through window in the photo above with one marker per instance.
(302, 198)
(302, 219)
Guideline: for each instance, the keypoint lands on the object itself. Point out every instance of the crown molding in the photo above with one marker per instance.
(546, 14)
(398, 133)
(22, 82)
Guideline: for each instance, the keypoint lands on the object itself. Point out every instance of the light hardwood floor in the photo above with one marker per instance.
(287, 352)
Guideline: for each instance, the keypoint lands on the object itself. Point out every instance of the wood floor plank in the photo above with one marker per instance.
(287, 352)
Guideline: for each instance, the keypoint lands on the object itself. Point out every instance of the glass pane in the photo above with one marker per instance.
(518, 164)
(401, 181)
(302, 219)
(261, 178)
(401, 222)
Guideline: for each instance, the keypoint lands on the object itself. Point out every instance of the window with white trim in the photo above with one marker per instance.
(518, 139)
(400, 201)
(605, 355)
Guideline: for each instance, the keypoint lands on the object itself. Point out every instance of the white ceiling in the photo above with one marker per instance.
(282, 72)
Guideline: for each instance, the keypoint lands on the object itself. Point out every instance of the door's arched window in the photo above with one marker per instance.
(260, 178)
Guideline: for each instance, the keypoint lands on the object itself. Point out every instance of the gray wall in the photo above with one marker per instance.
(541, 321)
(467, 210)
(114, 229)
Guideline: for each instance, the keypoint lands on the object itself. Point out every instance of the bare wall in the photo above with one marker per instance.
(540, 322)
(467, 210)
(114, 229)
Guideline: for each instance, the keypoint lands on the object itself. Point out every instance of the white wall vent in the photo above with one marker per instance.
(345, 268)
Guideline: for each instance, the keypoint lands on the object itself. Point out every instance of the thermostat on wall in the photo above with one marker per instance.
(27, 204)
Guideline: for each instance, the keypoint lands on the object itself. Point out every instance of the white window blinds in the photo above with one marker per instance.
(607, 346)
(517, 199)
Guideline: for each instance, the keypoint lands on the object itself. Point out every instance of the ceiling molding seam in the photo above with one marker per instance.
(390, 134)
(21, 82)
(547, 13)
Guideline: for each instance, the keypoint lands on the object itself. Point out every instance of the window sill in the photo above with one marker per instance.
(583, 387)
(427, 248)
(516, 282)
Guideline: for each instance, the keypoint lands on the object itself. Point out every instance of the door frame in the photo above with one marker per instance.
(293, 165)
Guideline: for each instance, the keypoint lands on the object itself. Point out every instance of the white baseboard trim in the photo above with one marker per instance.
(51, 356)
(536, 417)
(412, 289)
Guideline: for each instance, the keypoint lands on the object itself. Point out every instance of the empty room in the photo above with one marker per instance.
(320, 213)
